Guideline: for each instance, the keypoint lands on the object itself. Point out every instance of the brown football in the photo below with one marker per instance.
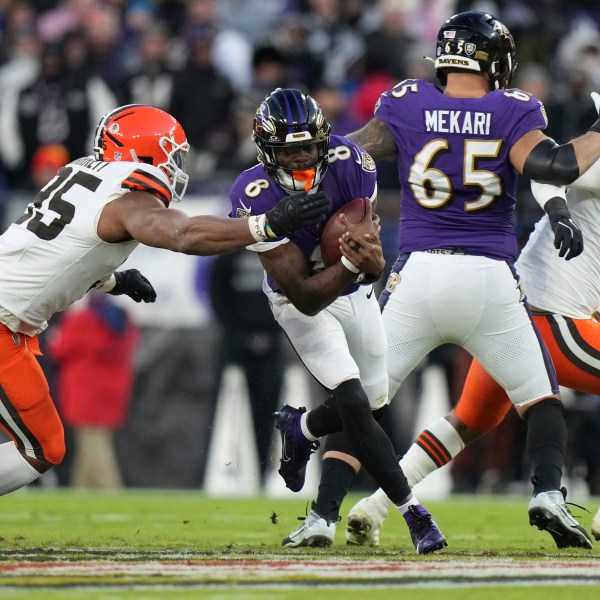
(355, 211)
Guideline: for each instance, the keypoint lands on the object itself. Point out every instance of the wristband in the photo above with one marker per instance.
(270, 233)
(543, 192)
(352, 268)
(556, 208)
(109, 284)
(257, 227)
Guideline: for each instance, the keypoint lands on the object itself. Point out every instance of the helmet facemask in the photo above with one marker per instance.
(291, 179)
(175, 166)
(288, 119)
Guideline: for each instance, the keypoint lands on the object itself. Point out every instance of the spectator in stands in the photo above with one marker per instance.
(151, 78)
(56, 107)
(335, 47)
(46, 161)
(231, 52)
(94, 349)
(202, 102)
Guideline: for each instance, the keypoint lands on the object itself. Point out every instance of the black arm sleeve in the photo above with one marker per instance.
(550, 163)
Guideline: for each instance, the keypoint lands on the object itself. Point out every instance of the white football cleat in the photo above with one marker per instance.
(548, 512)
(596, 525)
(315, 531)
(364, 522)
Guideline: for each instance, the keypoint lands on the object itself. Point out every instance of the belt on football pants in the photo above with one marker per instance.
(446, 250)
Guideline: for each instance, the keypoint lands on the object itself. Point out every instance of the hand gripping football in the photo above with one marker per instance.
(355, 211)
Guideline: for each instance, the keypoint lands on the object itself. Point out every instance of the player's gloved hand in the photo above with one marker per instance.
(568, 239)
(133, 284)
(297, 211)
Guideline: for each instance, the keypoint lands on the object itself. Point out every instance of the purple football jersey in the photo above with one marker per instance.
(458, 186)
(351, 174)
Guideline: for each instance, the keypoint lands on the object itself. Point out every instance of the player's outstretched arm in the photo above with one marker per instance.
(139, 216)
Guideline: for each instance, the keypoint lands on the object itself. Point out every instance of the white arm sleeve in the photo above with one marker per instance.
(542, 192)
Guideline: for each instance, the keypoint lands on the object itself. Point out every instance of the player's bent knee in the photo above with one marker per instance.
(55, 452)
(350, 396)
(380, 412)
(53, 448)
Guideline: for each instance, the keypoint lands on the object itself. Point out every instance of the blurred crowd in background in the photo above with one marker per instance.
(64, 63)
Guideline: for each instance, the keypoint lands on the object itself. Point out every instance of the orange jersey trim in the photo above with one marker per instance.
(140, 181)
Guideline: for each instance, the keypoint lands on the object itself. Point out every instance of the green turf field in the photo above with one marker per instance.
(157, 544)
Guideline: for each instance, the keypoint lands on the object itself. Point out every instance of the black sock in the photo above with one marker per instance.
(336, 478)
(369, 443)
(546, 442)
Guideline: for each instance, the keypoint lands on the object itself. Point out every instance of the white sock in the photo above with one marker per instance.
(428, 454)
(403, 508)
(304, 428)
(380, 500)
(15, 471)
(417, 463)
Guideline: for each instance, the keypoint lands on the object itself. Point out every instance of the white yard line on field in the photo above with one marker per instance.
(327, 570)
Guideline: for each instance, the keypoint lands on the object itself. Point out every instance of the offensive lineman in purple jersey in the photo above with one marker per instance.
(459, 153)
(333, 322)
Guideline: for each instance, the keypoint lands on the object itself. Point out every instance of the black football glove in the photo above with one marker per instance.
(568, 239)
(133, 284)
(297, 211)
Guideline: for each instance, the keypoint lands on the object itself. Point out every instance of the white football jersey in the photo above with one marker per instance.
(569, 288)
(52, 255)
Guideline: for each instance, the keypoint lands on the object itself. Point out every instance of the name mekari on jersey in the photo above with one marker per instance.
(458, 121)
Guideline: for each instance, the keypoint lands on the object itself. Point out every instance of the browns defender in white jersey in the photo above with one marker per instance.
(72, 237)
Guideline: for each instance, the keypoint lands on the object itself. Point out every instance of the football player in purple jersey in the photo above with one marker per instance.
(329, 314)
(460, 148)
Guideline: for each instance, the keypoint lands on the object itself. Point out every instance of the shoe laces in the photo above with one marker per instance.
(303, 454)
(563, 491)
(418, 521)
